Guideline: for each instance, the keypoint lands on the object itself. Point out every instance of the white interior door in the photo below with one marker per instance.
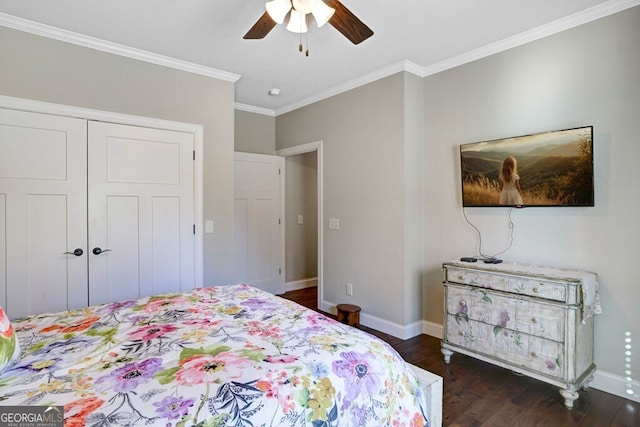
(257, 237)
(43, 213)
(141, 212)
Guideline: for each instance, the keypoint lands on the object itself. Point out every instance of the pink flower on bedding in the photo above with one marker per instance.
(203, 323)
(149, 332)
(159, 305)
(205, 368)
(281, 358)
(263, 330)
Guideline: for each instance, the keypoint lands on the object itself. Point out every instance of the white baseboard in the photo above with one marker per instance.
(301, 284)
(616, 385)
(379, 324)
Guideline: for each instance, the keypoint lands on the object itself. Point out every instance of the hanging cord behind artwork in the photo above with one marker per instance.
(510, 225)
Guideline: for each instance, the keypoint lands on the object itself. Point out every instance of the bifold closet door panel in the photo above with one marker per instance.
(43, 213)
(141, 212)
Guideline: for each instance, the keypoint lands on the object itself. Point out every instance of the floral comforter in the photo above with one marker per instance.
(219, 356)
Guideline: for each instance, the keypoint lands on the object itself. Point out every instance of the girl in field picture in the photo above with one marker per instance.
(556, 166)
(510, 193)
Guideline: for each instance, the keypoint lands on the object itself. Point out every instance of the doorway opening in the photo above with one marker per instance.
(303, 149)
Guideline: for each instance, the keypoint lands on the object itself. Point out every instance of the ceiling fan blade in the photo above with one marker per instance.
(261, 28)
(348, 24)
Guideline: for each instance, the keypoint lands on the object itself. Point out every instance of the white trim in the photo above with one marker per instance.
(44, 30)
(300, 284)
(308, 148)
(583, 17)
(616, 385)
(397, 330)
(254, 109)
(432, 329)
(126, 119)
(588, 15)
(351, 84)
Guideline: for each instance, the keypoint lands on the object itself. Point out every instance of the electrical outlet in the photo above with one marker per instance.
(350, 289)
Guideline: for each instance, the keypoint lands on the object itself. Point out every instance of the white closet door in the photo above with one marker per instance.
(141, 212)
(257, 239)
(43, 213)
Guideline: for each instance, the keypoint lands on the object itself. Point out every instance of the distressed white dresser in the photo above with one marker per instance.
(536, 321)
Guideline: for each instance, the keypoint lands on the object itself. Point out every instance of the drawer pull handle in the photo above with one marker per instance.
(463, 303)
(534, 354)
(536, 290)
(534, 320)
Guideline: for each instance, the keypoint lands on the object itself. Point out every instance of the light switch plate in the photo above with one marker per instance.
(334, 224)
(300, 219)
(208, 226)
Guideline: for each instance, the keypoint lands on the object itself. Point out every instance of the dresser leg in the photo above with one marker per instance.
(585, 386)
(447, 355)
(569, 397)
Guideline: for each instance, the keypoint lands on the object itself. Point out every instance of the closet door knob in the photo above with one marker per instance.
(98, 251)
(76, 252)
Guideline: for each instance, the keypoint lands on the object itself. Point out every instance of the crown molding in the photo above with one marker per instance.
(39, 29)
(588, 15)
(352, 84)
(253, 109)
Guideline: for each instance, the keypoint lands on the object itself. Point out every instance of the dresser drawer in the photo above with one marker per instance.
(517, 348)
(523, 314)
(521, 285)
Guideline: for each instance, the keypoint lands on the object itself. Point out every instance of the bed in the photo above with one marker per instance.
(219, 356)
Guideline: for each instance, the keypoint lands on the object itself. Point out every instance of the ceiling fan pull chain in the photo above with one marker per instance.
(307, 51)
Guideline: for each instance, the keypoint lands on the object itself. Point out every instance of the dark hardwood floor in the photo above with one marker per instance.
(477, 393)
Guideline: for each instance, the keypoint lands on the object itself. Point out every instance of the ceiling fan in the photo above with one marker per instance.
(332, 11)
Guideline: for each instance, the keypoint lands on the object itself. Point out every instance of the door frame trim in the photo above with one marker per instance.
(309, 148)
(13, 103)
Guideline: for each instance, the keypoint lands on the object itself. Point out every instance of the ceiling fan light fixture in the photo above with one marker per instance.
(297, 22)
(278, 9)
(322, 13)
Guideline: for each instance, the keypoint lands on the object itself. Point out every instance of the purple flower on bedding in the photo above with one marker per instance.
(129, 377)
(117, 306)
(361, 374)
(173, 407)
(258, 304)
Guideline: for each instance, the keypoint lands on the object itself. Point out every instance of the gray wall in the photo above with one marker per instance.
(43, 69)
(301, 198)
(363, 134)
(255, 133)
(589, 75)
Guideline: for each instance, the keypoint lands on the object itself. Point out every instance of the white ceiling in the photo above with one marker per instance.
(423, 36)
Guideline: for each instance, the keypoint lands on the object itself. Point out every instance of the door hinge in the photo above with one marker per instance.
(279, 221)
(279, 173)
(194, 154)
(194, 229)
(279, 271)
